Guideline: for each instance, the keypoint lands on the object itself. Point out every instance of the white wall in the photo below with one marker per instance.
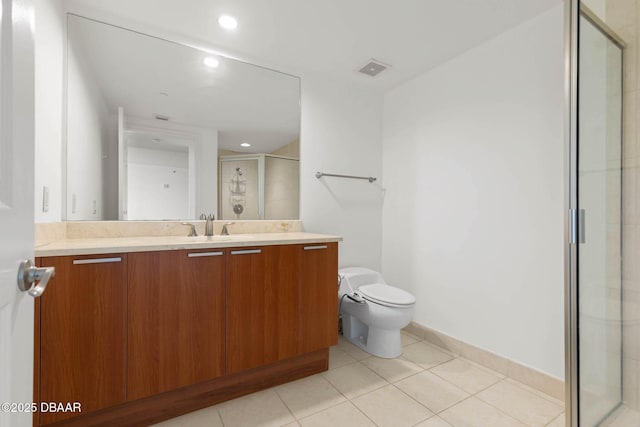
(473, 216)
(204, 145)
(88, 140)
(157, 184)
(341, 133)
(49, 48)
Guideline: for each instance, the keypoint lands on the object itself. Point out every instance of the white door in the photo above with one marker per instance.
(16, 207)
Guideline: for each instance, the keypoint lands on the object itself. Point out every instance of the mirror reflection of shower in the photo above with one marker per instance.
(238, 192)
(258, 186)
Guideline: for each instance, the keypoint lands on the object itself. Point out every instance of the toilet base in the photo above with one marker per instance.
(383, 343)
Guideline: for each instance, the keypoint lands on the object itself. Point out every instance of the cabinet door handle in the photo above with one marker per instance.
(247, 251)
(311, 248)
(96, 260)
(199, 254)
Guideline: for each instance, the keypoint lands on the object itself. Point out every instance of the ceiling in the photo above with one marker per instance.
(148, 76)
(330, 37)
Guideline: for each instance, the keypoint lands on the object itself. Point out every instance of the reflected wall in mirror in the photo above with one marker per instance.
(150, 121)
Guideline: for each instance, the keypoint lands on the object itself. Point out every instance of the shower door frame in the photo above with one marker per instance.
(573, 10)
(571, 205)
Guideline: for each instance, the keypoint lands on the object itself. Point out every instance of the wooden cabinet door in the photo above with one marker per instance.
(318, 302)
(176, 319)
(83, 334)
(262, 311)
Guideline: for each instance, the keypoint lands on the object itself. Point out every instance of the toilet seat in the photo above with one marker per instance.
(383, 294)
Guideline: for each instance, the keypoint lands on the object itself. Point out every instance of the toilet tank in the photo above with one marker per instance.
(356, 277)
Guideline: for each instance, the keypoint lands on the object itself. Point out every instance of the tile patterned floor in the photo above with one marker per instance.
(426, 387)
(623, 417)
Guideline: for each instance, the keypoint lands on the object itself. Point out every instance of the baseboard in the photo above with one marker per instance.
(538, 380)
(153, 409)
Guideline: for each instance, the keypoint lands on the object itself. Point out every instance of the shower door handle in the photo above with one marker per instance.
(577, 226)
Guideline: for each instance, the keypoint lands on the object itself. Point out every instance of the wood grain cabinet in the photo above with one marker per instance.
(145, 336)
(83, 338)
(176, 320)
(262, 306)
(318, 293)
(281, 302)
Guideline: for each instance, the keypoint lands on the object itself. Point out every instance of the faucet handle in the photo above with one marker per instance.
(225, 231)
(203, 216)
(192, 230)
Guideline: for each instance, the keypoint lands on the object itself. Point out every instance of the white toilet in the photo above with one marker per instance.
(373, 313)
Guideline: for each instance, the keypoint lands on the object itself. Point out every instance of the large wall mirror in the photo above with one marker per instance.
(157, 130)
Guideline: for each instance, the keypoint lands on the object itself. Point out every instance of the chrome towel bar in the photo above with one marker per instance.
(368, 178)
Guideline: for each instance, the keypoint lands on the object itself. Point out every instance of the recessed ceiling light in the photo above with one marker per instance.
(211, 62)
(245, 144)
(228, 22)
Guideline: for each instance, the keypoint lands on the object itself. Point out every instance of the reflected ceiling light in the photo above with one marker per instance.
(245, 144)
(228, 22)
(211, 62)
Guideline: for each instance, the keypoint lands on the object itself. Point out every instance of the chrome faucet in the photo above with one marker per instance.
(225, 232)
(192, 230)
(208, 227)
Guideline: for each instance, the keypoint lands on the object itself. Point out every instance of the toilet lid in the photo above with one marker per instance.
(386, 294)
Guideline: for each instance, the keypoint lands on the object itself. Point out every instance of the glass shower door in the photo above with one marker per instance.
(599, 197)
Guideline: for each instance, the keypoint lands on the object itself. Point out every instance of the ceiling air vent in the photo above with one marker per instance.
(373, 68)
(162, 117)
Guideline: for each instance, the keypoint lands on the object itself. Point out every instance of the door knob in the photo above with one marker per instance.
(28, 275)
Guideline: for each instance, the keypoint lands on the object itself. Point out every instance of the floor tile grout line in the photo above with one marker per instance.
(482, 367)
(539, 393)
(389, 383)
(442, 349)
(415, 400)
(403, 378)
(220, 417)
(553, 420)
(363, 413)
(285, 403)
(503, 412)
(454, 404)
(497, 409)
(430, 367)
(426, 419)
(423, 420)
(409, 376)
(322, 410)
(469, 392)
(320, 374)
(355, 397)
(535, 391)
(438, 412)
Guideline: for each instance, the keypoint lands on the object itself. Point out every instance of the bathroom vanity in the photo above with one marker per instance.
(138, 330)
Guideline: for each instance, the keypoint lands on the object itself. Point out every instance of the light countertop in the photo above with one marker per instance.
(90, 246)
